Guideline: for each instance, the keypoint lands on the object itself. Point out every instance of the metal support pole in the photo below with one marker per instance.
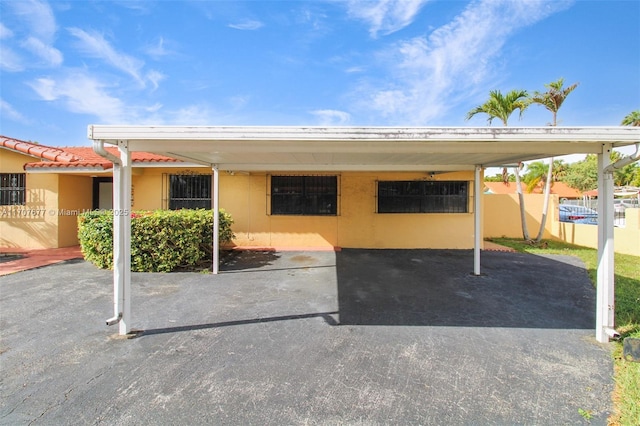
(477, 216)
(216, 219)
(122, 239)
(605, 310)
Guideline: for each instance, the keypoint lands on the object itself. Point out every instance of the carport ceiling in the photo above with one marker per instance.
(272, 148)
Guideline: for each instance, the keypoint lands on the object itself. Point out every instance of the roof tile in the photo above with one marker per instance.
(560, 188)
(74, 156)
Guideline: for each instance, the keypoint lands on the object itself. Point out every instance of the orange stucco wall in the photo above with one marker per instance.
(356, 225)
(49, 217)
(75, 194)
(501, 215)
(502, 219)
(245, 197)
(29, 225)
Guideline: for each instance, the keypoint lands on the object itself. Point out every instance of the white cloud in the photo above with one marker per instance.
(239, 101)
(385, 16)
(355, 69)
(10, 60)
(5, 32)
(331, 117)
(83, 94)
(247, 25)
(38, 16)
(11, 113)
(95, 45)
(51, 55)
(38, 22)
(193, 114)
(158, 50)
(154, 77)
(432, 74)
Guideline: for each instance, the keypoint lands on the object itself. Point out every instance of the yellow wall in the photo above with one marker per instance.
(13, 162)
(30, 225)
(75, 194)
(245, 197)
(53, 200)
(501, 215)
(502, 219)
(625, 239)
(356, 225)
(48, 219)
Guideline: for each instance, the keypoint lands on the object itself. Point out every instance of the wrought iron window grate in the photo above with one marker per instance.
(304, 195)
(12, 189)
(189, 192)
(423, 197)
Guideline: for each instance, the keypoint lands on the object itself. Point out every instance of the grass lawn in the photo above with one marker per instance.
(627, 299)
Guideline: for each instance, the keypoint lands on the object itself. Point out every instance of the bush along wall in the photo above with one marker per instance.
(161, 241)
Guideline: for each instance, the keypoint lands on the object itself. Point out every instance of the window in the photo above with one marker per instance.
(12, 189)
(304, 195)
(422, 197)
(189, 192)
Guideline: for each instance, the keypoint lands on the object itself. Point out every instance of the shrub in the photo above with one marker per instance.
(161, 241)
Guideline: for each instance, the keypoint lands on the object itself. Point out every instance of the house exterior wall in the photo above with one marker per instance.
(356, 225)
(75, 195)
(32, 225)
(246, 198)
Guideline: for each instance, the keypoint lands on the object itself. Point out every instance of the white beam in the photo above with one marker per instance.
(215, 201)
(477, 216)
(605, 286)
(625, 134)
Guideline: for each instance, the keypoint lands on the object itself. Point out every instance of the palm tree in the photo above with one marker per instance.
(632, 119)
(537, 172)
(552, 100)
(501, 107)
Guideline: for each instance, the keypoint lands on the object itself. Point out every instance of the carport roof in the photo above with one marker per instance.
(274, 148)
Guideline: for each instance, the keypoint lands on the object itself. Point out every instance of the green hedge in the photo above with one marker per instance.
(161, 241)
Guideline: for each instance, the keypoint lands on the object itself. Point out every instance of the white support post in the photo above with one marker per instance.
(215, 201)
(118, 278)
(605, 321)
(477, 216)
(122, 238)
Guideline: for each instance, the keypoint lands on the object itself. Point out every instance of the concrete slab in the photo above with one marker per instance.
(358, 337)
(14, 260)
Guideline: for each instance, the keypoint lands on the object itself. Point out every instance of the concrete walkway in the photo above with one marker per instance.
(357, 337)
(25, 259)
(34, 258)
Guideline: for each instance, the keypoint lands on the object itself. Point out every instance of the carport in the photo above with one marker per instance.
(338, 149)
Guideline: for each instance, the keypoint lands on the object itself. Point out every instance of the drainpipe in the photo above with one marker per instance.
(98, 148)
(624, 161)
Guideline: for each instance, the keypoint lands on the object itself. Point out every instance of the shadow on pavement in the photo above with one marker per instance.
(436, 288)
(326, 316)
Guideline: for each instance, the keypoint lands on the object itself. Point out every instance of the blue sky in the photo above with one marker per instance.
(67, 64)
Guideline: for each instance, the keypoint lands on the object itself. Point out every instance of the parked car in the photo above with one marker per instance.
(578, 214)
(621, 204)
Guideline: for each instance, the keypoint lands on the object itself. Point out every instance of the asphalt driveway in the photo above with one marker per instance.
(358, 337)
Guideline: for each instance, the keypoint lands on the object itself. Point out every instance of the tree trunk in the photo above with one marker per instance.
(523, 215)
(545, 205)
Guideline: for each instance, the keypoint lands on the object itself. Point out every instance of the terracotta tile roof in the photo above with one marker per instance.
(37, 150)
(74, 156)
(559, 188)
